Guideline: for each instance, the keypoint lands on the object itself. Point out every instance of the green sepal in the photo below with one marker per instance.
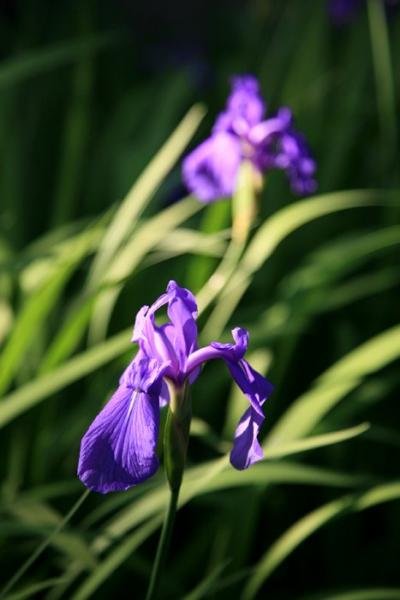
(176, 436)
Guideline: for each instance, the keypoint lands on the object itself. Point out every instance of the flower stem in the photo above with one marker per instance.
(163, 545)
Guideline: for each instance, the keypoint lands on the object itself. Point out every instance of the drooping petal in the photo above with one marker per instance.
(280, 146)
(246, 449)
(210, 171)
(119, 448)
(253, 385)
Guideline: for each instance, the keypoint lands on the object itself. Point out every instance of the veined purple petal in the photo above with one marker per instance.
(210, 171)
(119, 448)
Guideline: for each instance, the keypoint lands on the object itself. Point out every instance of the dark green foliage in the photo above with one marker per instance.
(89, 94)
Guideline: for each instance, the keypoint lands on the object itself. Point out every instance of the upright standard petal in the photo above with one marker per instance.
(210, 171)
(174, 341)
(244, 108)
(119, 448)
(182, 311)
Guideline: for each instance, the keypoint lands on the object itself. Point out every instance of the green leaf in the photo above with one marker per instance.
(318, 441)
(384, 80)
(363, 594)
(39, 305)
(273, 231)
(142, 191)
(292, 538)
(208, 583)
(34, 589)
(307, 525)
(40, 549)
(243, 214)
(15, 70)
(128, 258)
(215, 476)
(115, 559)
(41, 388)
(187, 241)
(308, 410)
(336, 259)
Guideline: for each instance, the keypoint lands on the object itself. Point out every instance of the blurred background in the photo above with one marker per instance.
(99, 102)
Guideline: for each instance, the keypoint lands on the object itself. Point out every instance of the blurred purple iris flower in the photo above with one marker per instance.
(343, 12)
(242, 132)
(119, 448)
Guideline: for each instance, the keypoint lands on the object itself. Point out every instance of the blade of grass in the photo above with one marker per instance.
(41, 388)
(343, 377)
(142, 191)
(208, 583)
(128, 258)
(40, 549)
(307, 525)
(215, 476)
(38, 307)
(317, 441)
(363, 594)
(35, 588)
(115, 559)
(268, 237)
(15, 70)
(384, 82)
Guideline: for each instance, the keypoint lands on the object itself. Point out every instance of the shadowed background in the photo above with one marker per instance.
(95, 116)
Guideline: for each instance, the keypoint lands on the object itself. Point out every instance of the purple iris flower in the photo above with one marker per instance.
(119, 448)
(343, 12)
(241, 132)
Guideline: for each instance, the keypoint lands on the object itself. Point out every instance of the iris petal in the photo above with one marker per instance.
(182, 310)
(246, 449)
(119, 448)
(210, 171)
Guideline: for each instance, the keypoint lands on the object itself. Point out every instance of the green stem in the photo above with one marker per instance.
(163, 545)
